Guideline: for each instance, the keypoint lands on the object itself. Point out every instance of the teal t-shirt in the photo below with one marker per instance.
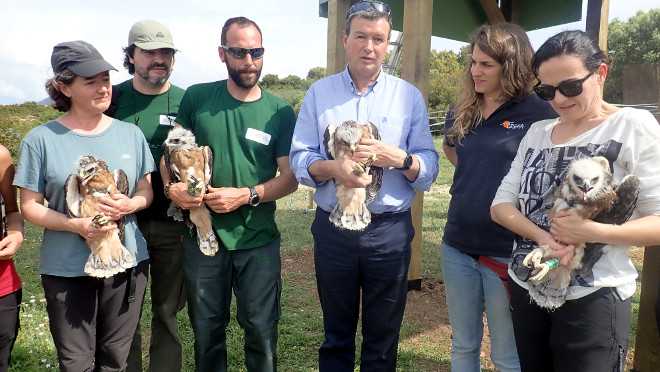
(155, 116)
(47, 156)
(246, 139)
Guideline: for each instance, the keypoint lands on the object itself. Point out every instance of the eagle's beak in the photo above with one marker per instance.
(85, 177)
(585, 191)
(352, 148)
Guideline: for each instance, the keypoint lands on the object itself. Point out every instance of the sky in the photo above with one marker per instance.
(294, 36)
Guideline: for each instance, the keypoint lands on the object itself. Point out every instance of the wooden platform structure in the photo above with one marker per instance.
(456, 19)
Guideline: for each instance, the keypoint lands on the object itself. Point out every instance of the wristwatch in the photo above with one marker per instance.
(166, 190)
(254, 197)
(407, 162)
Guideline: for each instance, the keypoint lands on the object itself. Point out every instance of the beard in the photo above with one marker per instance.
(158, 80)
(245, 83)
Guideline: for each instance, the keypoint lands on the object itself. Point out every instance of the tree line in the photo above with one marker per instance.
(636, 41)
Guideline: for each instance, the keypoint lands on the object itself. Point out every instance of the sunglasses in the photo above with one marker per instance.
(240, 53)
(364, 5)
(568, 89)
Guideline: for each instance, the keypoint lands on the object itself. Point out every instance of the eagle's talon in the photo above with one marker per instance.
(99, 220)
(545, 267)
(358, 169)
(533, 258)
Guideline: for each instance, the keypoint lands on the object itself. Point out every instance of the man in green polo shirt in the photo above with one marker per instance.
(151, 102)
(249, 131)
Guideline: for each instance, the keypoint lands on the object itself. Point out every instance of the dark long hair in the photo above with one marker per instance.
(575, 43)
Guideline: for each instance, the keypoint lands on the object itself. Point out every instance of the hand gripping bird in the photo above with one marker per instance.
(592, 192)
(351, 210)
(82, 192)
(187, 162)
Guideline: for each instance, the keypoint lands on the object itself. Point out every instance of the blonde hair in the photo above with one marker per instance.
(509, 45)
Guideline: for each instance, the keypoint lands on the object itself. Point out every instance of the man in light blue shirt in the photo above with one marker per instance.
(372, 262)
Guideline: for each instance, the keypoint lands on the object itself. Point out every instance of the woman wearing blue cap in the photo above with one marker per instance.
(92, 316)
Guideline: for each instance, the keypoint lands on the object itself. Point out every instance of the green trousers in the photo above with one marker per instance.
(254, 277)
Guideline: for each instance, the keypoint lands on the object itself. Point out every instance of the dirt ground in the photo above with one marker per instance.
(429, 305)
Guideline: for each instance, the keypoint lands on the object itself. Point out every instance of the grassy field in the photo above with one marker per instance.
(425, 339)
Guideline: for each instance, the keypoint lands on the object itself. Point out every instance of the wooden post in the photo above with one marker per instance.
(597, 23)
(336, 58)
(416, 62)
(647, 342)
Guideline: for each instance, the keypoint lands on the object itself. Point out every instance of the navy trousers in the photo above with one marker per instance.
(374, 263)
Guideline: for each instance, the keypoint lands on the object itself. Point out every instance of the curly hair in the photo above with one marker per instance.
(509, 45)
(60, 101)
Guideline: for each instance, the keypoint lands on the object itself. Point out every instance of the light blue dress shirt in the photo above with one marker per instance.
(397, 109)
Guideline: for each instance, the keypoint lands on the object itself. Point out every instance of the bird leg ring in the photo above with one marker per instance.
(544, 268)
(360, 168)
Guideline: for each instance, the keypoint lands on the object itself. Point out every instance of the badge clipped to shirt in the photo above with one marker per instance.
(167, 120)
(258, 136)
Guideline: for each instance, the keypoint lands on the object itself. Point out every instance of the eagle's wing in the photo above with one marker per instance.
(208, 164)
(329, 141)
(627, 192)
(121, 181)
(175, 175)
(72, 195)
(376, 173)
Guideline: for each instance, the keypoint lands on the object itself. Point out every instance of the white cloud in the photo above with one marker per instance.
(294, 36)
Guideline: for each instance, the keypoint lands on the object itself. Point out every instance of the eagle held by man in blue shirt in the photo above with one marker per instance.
(351, 211)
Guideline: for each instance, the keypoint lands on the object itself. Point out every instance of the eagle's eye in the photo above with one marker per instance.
(577, 179)
(594, 181)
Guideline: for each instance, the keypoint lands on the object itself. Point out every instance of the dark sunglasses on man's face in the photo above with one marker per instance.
(364, 5)
(567, 89)
(240, 53)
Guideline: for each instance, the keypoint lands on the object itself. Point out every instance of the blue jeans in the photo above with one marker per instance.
(473, 288)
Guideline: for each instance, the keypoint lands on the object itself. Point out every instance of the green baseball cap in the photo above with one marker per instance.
(149, 35)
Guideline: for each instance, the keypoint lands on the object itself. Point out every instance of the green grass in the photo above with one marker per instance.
(300, 328)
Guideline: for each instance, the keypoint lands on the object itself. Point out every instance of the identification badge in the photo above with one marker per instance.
(167, 120)
(257, 136)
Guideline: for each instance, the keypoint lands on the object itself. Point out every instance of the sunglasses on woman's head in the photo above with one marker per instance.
(240, 53)
(568, 89)
(364, 5)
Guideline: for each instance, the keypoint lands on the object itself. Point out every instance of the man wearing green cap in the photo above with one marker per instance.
(151, 102)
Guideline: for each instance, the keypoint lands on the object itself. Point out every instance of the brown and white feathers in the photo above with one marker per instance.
(351, 210)
(192, 164)
(591, 191)
(82, 192)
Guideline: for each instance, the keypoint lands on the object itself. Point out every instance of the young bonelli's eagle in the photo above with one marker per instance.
(591, 191)
(192, 164)
(82, 192)
(351, 210)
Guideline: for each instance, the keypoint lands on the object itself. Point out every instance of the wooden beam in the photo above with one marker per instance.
(336, 56)
(647, 343)
(493, 12)
(597, 21)
(416, 62)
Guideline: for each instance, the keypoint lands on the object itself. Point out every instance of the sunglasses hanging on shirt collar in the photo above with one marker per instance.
(240, 53)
